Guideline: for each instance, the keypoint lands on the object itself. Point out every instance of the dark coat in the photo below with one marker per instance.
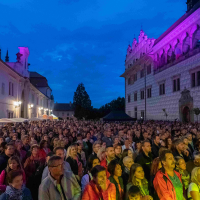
(3, 161)
(108, 141)
(155, 150)
(125, 177)
(186, 158)
(73, 164)
(145, 162)
(112, 180)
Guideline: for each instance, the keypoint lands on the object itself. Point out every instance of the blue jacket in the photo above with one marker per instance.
(26, 195)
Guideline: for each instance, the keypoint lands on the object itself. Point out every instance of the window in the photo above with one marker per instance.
(136, 112)
(37, 100)
(129, 98)
(162, 89)
(10, 114)
(142, 94)
(142, 73)
(3, 88)
(198, 78)
(149, 69)
(149, 93)
(135, 96)
(142, 114)
(129, 81)
(193, 80)
(176, 85)
(11, 89)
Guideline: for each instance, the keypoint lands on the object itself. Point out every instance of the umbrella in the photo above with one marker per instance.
(19, 119)
(35, 119)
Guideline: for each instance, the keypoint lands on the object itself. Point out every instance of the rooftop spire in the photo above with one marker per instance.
(7, 57)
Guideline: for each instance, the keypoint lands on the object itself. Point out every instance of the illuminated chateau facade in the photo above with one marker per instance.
(162, 76)
(22, 93)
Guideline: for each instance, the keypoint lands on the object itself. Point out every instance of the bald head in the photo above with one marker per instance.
(128, 161)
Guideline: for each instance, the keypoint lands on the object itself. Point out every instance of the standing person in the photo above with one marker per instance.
(19, 151)
(127, 145)
(107, 139)
(138, 179)
(155, 146)
(92, 162)
(118, 151)
(25, 141)
(115, 171)
(167, 182)
(145, 158)
(44, 150)
(30, 166)
(60, 184)
(100, 188)
(190, 165)
(16, 190)
(73, 160)
(110, 155)
(59, 151)
(185, 176)
(127, 161)
(13, 165)
(8, 152)
(96, 146)
(194, 187)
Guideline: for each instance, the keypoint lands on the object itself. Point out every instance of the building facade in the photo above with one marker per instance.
(162, 76)
(19, 97)
(64, 110)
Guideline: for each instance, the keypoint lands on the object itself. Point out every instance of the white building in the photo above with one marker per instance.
(162, 76)
(18, 96)
(64, 110)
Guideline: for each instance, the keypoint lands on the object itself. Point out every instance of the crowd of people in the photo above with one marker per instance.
(93, 160)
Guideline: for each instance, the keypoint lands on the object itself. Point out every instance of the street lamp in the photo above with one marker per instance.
(17, 104)
(30, 106)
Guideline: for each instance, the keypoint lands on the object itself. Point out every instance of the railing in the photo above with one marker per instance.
(178, 60)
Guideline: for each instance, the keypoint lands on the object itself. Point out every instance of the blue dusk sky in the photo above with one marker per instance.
(74, 41)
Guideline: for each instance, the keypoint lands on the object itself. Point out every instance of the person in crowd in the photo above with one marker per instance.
(186, 147)
(178, 150)
(168, 142)
(72, 159)
(107, 139)
(134, 193)
(190, 165)
(96, 146)
(88, 142)
(92, 162)
(127, 162)
(155, 146)
(30, 166)
(118, 151)
(138, 179)
(13, 164)
(8, 152)
(138, 147)
(145, 158)
(191, 144)
(115, 170)
(101, 153)
(110, 155)
(19, 151)
(185, 176)
(44, 150)
(167, 182)
(16, 190)
(194, 187)
(127, 145)
(25, 141)
(81, 153)
(59, 184)
(100, 187)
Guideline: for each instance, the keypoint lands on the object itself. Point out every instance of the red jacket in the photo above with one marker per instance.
(105, 165)
(42, 153)
(91, 192)
(164, 187)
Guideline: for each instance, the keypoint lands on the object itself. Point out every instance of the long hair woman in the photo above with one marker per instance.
(13, 165)
(137, 178)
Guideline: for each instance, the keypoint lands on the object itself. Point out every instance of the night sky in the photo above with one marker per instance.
(74, 41)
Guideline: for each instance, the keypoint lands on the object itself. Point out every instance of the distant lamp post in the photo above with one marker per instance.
(17, 104)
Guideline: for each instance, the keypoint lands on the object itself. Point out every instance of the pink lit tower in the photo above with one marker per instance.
(21, 65)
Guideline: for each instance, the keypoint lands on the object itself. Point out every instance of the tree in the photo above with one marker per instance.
(82, 103)
(196, 112)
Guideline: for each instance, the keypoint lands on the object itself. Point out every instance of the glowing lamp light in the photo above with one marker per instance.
(31, 106)
(17, 104)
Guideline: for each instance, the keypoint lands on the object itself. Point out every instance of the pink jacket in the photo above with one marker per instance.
(2, 180)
